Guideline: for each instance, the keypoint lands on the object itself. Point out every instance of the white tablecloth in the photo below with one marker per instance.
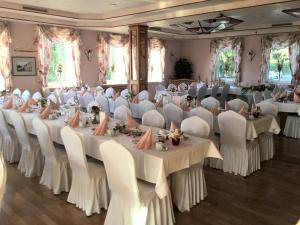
(288, 107)
(151, 165)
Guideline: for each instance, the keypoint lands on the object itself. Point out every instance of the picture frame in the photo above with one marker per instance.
(23, 66)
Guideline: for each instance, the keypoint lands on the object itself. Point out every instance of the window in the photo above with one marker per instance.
(279, 66)
(61, 72)
(155, 73)
(116, 73)
(224, 67)
(2, 83)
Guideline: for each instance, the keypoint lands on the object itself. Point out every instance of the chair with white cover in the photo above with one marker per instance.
(36, 96)
(3, 174)
(214, 91)
(266, 139)
(239, 156)
(31, 161)
(210, 103)
(193, 92)
(46, 91)
(121, 112)
(143, 95)
(89, 188)
(103, 101)
(87, 98)
(201, 93)
(158, 90)
(52, 98)
(17, 92)
(25, 95)
(237, 104)
(172, 113)
(257, 97)
(172, 87)
(132, 202)
(124, 93)
(224, 94)
(267, 94)
(70, 94)
(188, 186)
(56, 173)
(121, 101)
(145, 106)
(109, 92)
(153, 118)
(99, 90)
(182, 87)
(9, 142)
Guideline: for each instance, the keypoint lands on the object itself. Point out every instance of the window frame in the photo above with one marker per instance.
(217, 66)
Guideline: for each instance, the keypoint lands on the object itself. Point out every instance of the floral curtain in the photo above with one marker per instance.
(234, 43)
(105, 40)
(5, 63)
(46, 35)
(280, 41)
(156, 44)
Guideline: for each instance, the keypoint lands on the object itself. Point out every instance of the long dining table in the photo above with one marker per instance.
(152, 165)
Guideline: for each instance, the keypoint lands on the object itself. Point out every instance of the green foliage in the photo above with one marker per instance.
(225, 64)
(183, 69)
(279, 63)
(57, 57)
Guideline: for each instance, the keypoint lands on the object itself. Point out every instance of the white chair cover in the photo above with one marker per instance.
(3, 175)
(237, 104)
(132, 202)
(224, 94)
(267, 108)
(154, 119)
(143, 95)
(46, 91)
(70, 94)
(124, 93)
(121, 101)
(109, 92)
(71, 101)
(214, 91)
(201, 93)
(36, 96)
(188, 186)
(239, 157)
(87, 98)
(52, 98)
(89, 189)
(90, 105)
(145, 106)
(182, 87)
(160, 87)
(31, 161)
(292, 127)
(267, 94)
(210, 103)
(59, 96)
(99, 91)
(56, 174)
(257, 97)
(172, 86)
(172, 113)
(8, 141)
(17, 92)
(121, 112)
(103, 101)
(193, 92)
(25, 95)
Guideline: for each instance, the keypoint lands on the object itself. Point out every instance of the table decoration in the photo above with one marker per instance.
(259, 87)
(103, 125)
(131, 123)
(175, 135)
(74, 120)
(256, 112)
(95, 114)
(146, 140)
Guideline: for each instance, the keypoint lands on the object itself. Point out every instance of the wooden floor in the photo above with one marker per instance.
(270, 196)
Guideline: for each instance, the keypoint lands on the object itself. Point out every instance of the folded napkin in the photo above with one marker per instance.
(227, 107)
(296, 98)
(276, 96)
(185, 107)
(103, 125)
(24, 106)
(8, 104)
(159, 103)
(31, 101)
(173, 126)
(53, 105)
(131, 123)
(44, 114)
(146, 141)
(74, 120)
(176, 100)
(215, 110)
(116, 95)
(283, 94)
(243, 111)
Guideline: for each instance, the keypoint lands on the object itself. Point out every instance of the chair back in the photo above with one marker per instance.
(145, 106)
(52, 98)
(232, 129)
(193, 92)
(214, 91)
(124, 93)
(120, 169)
(121, 112)
(36, 96)
(20, 127)
(121, 101)
(143, 95)
(160, 87)
(103, 101)
(91, 104)
(75, 151)
(257, 97)
(109, 92)
(172, 113)
(267, 94)
(237, 104)
(267, 108)
(46, 91)
(99, 90)
(201, 93)
(70, 94)
(224, 94)
(154, 119)
(195, 126)
(182, 87)
(172, 87)
(44, 138)
(25, 95)
(3, 175)
(210, 103)
(17, 92)
(3, 125)
(204, 114)
(87, 98)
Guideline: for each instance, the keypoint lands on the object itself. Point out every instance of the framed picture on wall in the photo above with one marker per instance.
(23, 66)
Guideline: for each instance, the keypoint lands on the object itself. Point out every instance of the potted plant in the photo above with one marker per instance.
(183, 69)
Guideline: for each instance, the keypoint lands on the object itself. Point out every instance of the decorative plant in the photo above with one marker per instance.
(260, 88)
(226, 63)
(183, 69)
(280, 60)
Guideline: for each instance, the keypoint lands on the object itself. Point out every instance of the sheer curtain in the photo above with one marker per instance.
(46, 35)
(5, 63)
(157, 45)
(105, 40)
(234, 43)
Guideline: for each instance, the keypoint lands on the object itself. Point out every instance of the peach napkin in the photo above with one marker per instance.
(53, 105)
(276, 96)
(24, 106)
(103, 125)
(173, 126)
(31, 101)
(296, 98)
(159, 103)
(283, 94)
(227, 107)
(44, 114)
(116, 95)
(8, 104)
(176, 100)
(243, 111)
(74, 121)
(215, 110)
(131, 123)
(185, 107)
(146, 141)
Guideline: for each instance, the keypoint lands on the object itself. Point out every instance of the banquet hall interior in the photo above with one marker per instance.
(150, 112)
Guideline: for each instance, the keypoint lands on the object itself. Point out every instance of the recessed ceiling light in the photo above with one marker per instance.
(113, 4)
(292, 12)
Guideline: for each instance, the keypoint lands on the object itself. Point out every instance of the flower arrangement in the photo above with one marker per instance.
(175, 136)
(42, 102)
(259, 87)
(119, 126)
(95, 111)
(130, 95)
(189, 100)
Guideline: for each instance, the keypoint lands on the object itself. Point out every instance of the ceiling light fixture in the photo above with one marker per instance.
(292, 12)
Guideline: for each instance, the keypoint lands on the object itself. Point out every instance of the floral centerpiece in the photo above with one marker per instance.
(189, 100)
(175, 136)
(130, 95)
(259, 87)
(95, 112)
(42, 102)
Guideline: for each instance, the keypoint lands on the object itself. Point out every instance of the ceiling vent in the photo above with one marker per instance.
(281, 24)
(34, 9)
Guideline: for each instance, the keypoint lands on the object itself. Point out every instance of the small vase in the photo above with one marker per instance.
(175, 141)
